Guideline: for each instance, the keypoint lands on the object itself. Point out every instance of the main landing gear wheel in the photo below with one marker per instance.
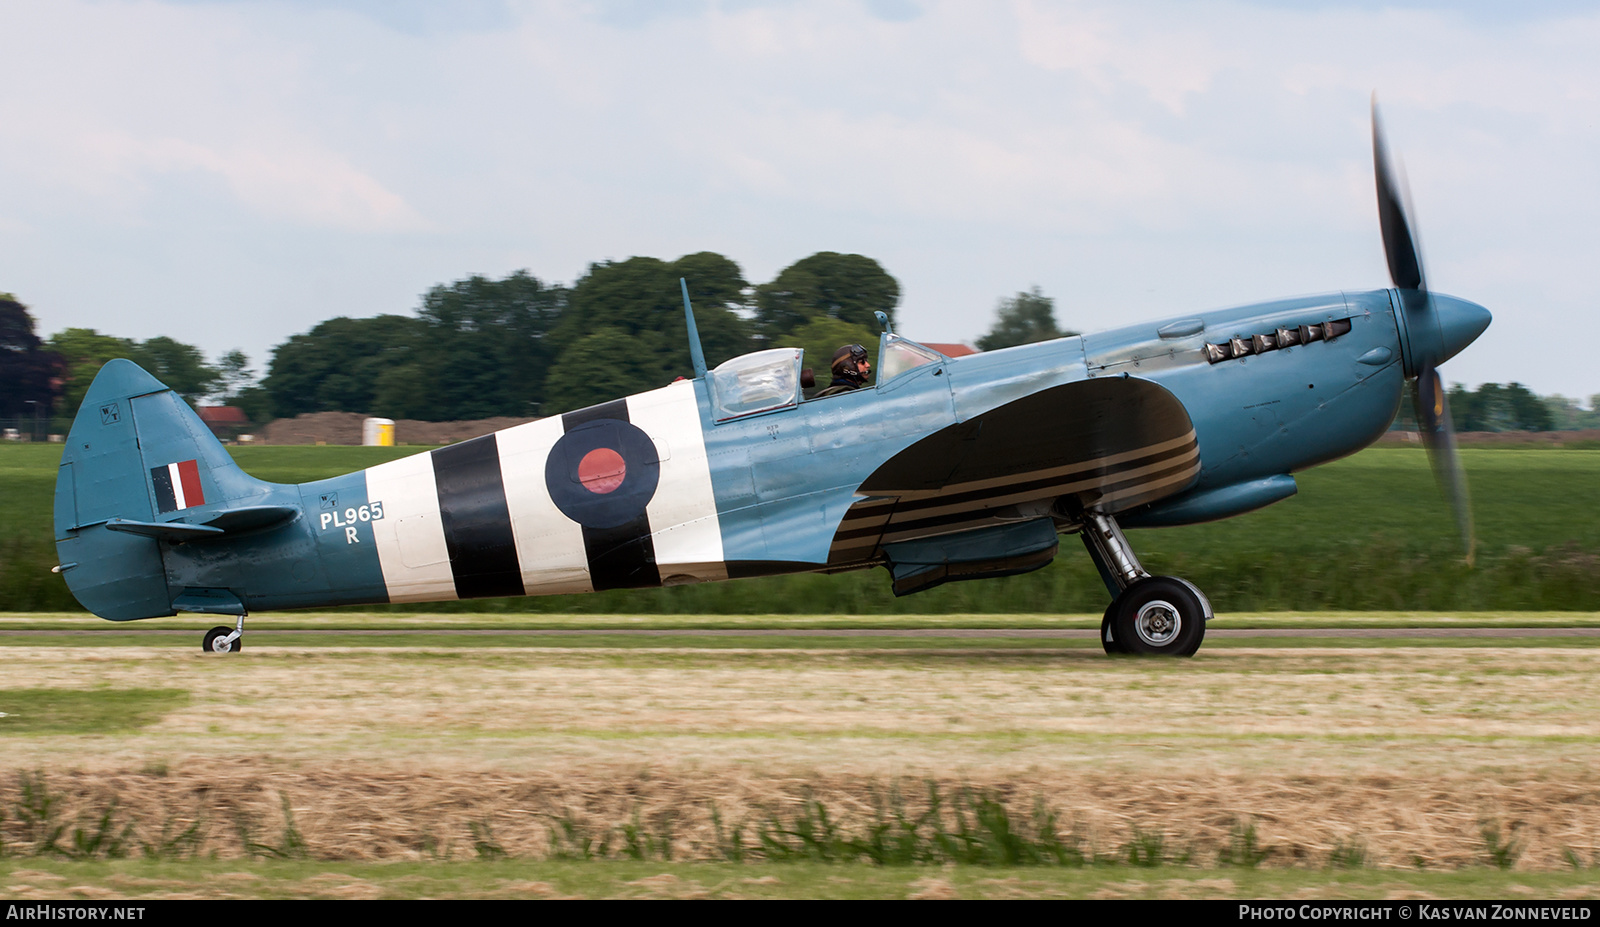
(1158, 616)
(1108, 637)
(217, 641)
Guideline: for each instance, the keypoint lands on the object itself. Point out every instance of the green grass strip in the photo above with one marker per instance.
(510, 878)
(84, 711)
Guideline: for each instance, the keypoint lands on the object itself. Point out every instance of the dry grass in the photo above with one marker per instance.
(367, 811)
(393, 753)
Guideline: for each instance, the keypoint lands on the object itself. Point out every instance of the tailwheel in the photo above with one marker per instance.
(222, 639)
(1158, 616)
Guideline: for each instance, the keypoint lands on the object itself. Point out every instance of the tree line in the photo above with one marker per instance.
(518, 346)
(524, 347)
(1507, 407)
(481, 347)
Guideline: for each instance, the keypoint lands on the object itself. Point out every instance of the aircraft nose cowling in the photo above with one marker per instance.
(1436, 326)
(1460, 323)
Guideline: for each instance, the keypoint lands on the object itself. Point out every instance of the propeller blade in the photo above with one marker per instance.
(1439, 437)
(1399, 239)
(1404, 254)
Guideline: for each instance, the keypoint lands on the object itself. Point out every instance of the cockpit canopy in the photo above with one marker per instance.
(759, 382)
(767, 381)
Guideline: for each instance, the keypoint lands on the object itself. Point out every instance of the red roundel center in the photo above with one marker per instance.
(602, 470)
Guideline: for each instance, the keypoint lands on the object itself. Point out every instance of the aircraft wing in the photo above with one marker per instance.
(1106, 444)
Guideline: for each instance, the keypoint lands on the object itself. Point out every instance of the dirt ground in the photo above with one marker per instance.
(1419, 756)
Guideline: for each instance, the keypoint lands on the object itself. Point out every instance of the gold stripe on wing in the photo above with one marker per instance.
(1148, 492)
(856, 537)
(1053, 489)
(1066, 469)
(851, 554)
(856, 518)
(1160, 484)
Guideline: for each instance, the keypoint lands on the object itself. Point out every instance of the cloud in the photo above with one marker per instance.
(1169, 62)
(300, 184)
(1134, 160)
(106, 103)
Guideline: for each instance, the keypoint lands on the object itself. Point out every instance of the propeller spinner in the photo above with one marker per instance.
(1434, 328)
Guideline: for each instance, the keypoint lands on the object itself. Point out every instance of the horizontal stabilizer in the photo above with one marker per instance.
(170, 530)
(250, 517)
(227, 521)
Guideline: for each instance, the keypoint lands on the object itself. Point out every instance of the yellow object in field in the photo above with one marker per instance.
(377, 432)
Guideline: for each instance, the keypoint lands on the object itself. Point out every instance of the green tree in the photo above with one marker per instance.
(336, 366)
(846, 287)
(27, 371)
(1528, 412)
(1023, 319)
(255, 402)
(1466, 409)
(1567, 414)
(237, 387)
(233, 376)
(401, 389)
(720, 296)
(714, 281)
(1493, 407)
(180, 366)
(486, 350)
(635, 307)
(83, 352)
(606, 365)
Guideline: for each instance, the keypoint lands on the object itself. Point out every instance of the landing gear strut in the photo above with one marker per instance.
(1148, 615)
(223, 639)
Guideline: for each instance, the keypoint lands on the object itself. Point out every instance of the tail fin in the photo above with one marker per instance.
(139, 466)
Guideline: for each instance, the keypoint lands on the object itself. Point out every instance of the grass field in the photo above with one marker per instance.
(1368, 532)
(600, 764)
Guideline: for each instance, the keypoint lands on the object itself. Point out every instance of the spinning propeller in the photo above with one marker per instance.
(1433, 328)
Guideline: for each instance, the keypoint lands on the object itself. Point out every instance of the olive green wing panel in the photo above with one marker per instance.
(1108, 444)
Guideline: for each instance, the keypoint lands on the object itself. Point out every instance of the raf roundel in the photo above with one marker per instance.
(603, 473)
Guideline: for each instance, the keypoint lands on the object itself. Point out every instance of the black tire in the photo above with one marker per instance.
(213, 641)
(1162, 616)
(1192, 648)
(1108, 637)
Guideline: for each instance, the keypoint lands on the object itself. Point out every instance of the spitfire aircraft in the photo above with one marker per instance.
(945, 469)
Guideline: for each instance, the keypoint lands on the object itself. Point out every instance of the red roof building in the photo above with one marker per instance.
(224, 421)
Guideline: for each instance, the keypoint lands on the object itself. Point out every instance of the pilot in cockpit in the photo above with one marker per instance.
(851, 370)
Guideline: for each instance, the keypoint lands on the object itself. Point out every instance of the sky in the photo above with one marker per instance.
(232, 172)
